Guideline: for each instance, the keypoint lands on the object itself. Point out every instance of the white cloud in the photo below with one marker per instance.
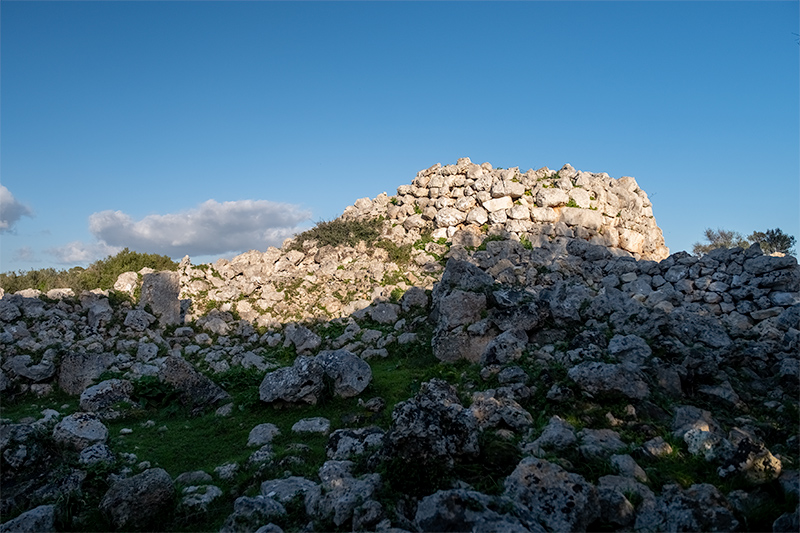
(212, 228)
(81, 252)
(25, 254)
(11, 210)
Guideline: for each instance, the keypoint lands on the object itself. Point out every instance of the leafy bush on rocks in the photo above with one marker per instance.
(340, 232)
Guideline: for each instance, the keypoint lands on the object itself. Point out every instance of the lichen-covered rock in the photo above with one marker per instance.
(347, 443)
(350, 374)
(79, 431)
(605, 378)
(498, 408)
(557, 435)
(196, 390)
(301, 382)
(339, 492)
(251, 513)
(286, 489)
(304, 340)
(79, 370)
(102, 397)
(468, 510)
(262, 434)
(139, 501)
(41, 519)
(433, 427)
(701, 507)
(559, 500)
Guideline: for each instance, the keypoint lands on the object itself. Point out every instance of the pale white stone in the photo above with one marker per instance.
(498, 204)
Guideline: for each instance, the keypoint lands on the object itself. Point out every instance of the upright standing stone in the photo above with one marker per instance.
(160, 290)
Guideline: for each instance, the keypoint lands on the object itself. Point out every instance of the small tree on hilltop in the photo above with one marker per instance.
(719, 238)
(774, 240)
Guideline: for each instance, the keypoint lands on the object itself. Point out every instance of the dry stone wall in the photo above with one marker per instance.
(445, 210)
(538, 205)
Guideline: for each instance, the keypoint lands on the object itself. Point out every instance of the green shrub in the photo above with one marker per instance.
(340, 232)
(397, 254)
(99, 275)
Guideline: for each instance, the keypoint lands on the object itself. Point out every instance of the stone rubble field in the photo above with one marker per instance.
(508, 352)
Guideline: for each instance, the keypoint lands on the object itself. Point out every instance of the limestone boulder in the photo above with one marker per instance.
(139, 501)
(339, 492)
(468, 510)
(196, 390)
(101, 398)
(79, 370)
(609, 379)
(160, 291)
(559, 500)
(300, 383)
(79, 431)
(433, 427)
(249, 514)
(41, 519)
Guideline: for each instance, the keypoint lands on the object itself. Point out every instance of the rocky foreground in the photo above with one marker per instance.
(515, 352)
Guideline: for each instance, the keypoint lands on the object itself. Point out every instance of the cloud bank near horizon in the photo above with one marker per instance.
(212, 228)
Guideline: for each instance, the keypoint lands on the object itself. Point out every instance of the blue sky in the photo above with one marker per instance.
(209, 128)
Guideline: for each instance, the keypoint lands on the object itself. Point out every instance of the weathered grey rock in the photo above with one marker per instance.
(339, 493)
(559, 500)
(304, 340)
(459, 308)
(100, 313)
(262, 455)
(301, 382)
(22, 365)
(701, 507)
(556, 435)
(629, 349)
(96, 454)
(604, 378)
(262, 434)
(139, 501)
(498, 408)
(196, 390)
(197, 498)
(566, 300)
(787, 522)
(78, 370)
(79, 431)
(138, 319)
(315, 424)
(626, 466)
(101, 398)
(269, 528)
(285, 490)
(196, 477)
(433, 427)
(350, 374)
(599, 443)
(657, 447)
(9, 311)
(754, 461)
(41, 519)
(160, 291)
(345, 444)
(688, 417)
(506, 347)
(251, 513)
(613, 493)
(461, 275)
(467, 510)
